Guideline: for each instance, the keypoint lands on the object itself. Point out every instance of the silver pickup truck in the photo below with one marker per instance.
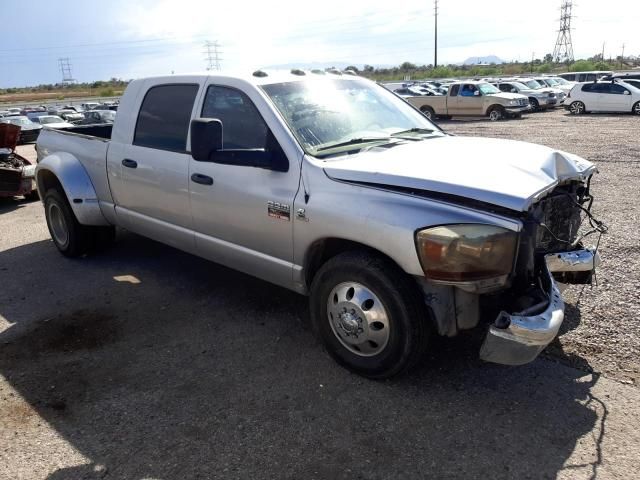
(334, 187)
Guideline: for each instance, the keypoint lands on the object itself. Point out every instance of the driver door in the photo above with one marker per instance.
(241, 214)
(469, 100)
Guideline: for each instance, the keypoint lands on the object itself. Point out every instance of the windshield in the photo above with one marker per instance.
(561, 81)
(520, 85)
(322, 112)
(20, 121)
(108, 115)
(50, 119)
(532, 84)
(551, 82)
(488, 89)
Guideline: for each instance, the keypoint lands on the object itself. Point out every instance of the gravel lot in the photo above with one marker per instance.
(602, 329)
(148, 363)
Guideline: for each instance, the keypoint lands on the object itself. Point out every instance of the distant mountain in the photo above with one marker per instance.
(483, 60)
(319, 65)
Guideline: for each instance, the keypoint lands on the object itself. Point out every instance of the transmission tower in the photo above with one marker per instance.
(212, 52)
(65, 69)
(563, 52)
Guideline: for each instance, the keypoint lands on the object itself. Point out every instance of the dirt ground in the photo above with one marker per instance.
(148, 363)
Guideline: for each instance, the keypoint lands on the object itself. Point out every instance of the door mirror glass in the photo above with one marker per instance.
(206, 138)
(627, 92)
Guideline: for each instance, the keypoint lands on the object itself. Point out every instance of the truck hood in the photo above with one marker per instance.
(505, 173)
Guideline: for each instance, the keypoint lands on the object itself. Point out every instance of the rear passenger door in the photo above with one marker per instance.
(152, 192)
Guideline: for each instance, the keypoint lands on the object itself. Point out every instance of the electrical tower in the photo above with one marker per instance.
(435, 50)
(65, 69)
(563, 52)
(212, 53)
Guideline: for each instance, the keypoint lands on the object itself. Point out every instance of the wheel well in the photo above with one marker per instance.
(48, 180)
(425, 108)
(323, 250)
(496, 106)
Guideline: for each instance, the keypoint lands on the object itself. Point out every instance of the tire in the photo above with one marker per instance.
(369, 315)
(70, 237)
(496, 113)
(636, 108)
(577, 108)
(535, 105)
(428, 112)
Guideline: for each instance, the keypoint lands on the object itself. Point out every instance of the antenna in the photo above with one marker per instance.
(563, 51)
(212, 53)
(65, 69)
(435, 51)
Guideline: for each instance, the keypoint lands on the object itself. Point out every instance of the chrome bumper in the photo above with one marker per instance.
(518, 338)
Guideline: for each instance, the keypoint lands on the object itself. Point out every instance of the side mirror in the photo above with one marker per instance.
(476, 93)
(206, 138)
(627, 92)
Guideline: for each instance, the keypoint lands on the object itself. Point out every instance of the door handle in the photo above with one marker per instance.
(129, 163)
(201, 179)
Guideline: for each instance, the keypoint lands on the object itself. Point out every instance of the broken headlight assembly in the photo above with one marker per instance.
(474, 257)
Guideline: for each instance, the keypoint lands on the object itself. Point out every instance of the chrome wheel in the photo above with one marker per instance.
(358, 319)
(636, 108)
(58, 224)
(427, 113)
(495, 115)
(577, 108)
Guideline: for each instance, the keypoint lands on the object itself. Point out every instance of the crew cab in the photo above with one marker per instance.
(472, 98)
(334, 187)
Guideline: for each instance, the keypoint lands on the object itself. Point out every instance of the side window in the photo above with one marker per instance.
(163, 121)
(591, 77)
(617, 89)
(588, 87)
(467, 90)
(505, 87)
(242, 125)
(582, 77)
(453, 91)
(602, 87)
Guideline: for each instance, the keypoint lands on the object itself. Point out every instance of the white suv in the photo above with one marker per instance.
(603, 97)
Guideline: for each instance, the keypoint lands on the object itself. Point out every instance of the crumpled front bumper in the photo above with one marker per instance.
(518, 338)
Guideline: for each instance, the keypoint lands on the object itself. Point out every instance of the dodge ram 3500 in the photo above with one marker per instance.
(335, 188)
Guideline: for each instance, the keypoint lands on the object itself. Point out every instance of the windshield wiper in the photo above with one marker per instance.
(353, 141)
(413, 130)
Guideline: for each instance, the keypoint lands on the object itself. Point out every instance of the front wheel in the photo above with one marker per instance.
(496, 113)
(577, 108)
(369, 314)
(535, 105)
(636, 108)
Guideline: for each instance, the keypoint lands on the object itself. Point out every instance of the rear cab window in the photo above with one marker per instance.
(164, 117)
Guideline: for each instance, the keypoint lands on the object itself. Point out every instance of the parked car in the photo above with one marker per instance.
(534, 84)
(334, 187)
(558, 82)
(29, 130)
(581, 77)
(33, 116)
(553, 86)
(93, 117)
(17, 174)
(609, 96)
(478, 99)
(70, 116)
(90, 105)
(52, 121)
(538, 99)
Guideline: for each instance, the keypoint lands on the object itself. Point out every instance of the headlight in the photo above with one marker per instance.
(513, 102)
(466, 252)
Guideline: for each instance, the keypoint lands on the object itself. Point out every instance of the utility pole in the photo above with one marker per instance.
(602, 55)
(622, 57)
(65, 69)
(212, 53)
(563, 51)
(533, 56)
(435, 51)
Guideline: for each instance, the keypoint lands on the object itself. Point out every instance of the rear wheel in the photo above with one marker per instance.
(70, 237)
(636, 108)
(369, 314)
(577, 108)
(428, 112)
(496, 113)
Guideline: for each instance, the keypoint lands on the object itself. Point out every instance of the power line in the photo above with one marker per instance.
(563, 51)
(435, 50)
(212, 55)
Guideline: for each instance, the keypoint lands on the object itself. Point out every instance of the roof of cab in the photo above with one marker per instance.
(258, 77)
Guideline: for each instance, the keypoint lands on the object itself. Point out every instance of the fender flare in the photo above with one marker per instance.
(76, 183)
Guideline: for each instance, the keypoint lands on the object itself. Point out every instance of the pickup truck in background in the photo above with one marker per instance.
(472, 99)
(333, 187)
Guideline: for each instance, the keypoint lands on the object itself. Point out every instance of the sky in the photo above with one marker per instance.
(130, 39)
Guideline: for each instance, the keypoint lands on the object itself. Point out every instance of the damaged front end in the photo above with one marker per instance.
(551, 254)
(17, 174)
